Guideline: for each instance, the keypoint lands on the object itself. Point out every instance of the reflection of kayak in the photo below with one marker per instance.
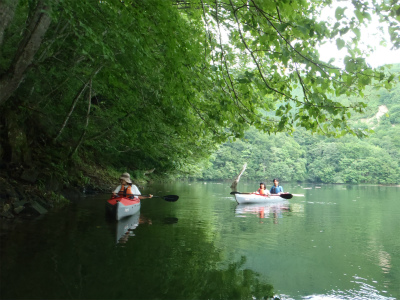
(261, 209)
(125, 226)
(257, 198)
(120, 207)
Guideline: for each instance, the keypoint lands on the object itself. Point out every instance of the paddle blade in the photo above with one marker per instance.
(234, 193)
(286, 196)
(171, 198)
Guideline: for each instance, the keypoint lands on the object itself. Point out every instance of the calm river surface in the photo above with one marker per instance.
(337, 242)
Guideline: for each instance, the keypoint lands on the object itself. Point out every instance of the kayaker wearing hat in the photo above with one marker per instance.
(127, 189)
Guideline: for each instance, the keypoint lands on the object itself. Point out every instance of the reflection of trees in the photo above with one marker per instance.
(192, 268)
(229, 282)
(167, 260)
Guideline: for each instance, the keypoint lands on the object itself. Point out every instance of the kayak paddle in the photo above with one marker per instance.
(169, 198)
(284, 196)
(233, 193)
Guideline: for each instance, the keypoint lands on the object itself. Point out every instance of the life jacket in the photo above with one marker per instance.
(126, 192)
(275, 189)
(261, 191)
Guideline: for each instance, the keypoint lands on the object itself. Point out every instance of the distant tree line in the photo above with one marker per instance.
(306, 157)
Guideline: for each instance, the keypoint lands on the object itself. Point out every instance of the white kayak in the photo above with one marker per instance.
(257, 198)
(120, 207)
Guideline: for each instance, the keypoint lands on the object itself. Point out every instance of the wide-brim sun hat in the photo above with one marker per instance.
(126, 177)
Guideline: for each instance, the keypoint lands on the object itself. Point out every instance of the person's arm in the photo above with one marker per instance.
(136, 192)
(281, 189)
(116, 191)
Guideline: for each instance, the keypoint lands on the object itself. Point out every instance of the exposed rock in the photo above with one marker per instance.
(73, 193)
(30, 175)
(7, 215)
(52, 184)
(6, 208)
(13, 199)
(18, 209)
(11, 193)
(17, 139)
(20, 203)
(37, 207)
(382, 110)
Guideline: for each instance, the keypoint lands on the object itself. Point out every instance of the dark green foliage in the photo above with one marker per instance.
(139, 85)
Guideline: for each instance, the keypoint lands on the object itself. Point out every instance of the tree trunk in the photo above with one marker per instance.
(34, 33)
(17, 140)
(148, 171)
(236, 181)
(7, 11)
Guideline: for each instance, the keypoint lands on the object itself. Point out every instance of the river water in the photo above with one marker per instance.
(337, 242)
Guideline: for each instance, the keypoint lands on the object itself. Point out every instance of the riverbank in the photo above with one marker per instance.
(28, 193)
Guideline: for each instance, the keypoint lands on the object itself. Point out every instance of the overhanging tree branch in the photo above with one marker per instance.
(74, 103)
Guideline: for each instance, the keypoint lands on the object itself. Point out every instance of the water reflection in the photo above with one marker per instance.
(364, 291)
(170, 220)
(125, 227)
(263, 210)
(205, 246)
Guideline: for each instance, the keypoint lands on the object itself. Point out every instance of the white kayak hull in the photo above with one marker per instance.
(257, 198)
(121, 207)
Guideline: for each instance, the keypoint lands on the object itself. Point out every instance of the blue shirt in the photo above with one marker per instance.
(276, 189)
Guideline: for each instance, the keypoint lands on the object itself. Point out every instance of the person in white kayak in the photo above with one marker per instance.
(263, 189)
(276, 188)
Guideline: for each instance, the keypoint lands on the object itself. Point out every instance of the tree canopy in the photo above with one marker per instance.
(157, 84)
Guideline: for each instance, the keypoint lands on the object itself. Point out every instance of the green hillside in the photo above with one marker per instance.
(306, 157)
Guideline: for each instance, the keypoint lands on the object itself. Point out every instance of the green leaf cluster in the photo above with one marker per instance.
(158, 84)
